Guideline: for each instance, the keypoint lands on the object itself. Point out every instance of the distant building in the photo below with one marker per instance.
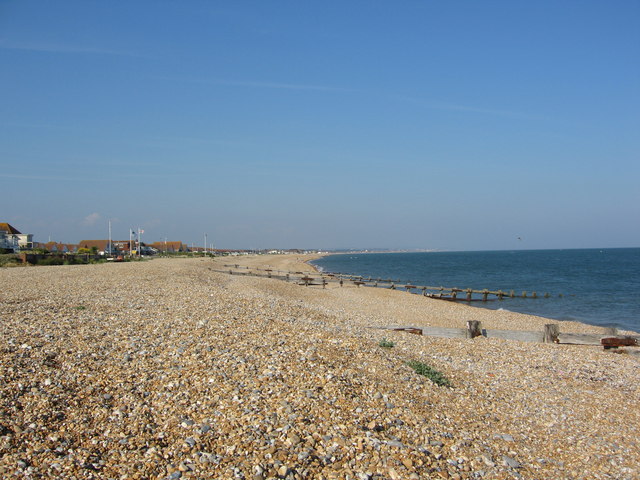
(55, 247)
(12, 239)
(169, 247)
(101, 246)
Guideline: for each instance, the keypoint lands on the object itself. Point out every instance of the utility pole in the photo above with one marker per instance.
(205, 244)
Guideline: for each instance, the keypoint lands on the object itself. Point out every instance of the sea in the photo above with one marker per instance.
(595, 286)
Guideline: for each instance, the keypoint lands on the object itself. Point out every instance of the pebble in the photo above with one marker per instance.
(510, 462)
(242, 377)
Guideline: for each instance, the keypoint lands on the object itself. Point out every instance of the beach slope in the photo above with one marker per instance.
(169, 369)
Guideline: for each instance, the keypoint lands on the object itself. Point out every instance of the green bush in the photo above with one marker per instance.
(384, 343)
(50, 261)
(9, 260)
(426, 371)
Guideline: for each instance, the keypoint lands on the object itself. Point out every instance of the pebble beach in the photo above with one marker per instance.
(168, 369)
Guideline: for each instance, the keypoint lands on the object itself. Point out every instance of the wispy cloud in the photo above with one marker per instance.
(463, 108)
(283, 86)
(41, 177)
(111, 178)
(65, 49)
(91, 219)
(260, 84)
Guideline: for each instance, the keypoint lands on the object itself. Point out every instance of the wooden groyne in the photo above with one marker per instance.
(550, 334)
(323, 279)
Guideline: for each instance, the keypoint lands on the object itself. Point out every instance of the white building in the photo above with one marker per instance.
(12, 239)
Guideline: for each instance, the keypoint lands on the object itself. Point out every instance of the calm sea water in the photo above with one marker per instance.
(598, 286)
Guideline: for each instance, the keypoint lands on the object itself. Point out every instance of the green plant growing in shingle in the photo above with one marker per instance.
(80, 307)
(432, 374)
(384, 343)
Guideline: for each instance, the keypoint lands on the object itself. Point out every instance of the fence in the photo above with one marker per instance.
(550, 334)
(320, 278)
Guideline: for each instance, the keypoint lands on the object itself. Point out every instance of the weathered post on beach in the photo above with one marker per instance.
(288, 278)
(512, 294)
(500, 294)
(551, 333)
(524, 294)
(474, 328)
(534, 295)
(485, 293)
(454, 293)
(469, 292)
(393, 287)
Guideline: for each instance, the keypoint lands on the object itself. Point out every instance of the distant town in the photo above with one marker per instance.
(13, 240)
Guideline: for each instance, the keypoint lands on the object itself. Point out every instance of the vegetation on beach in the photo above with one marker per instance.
(384, 343)
(432, 374)
(9, 260)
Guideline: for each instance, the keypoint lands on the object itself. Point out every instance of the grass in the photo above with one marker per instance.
(9, 260)
(384, 343)
(432, 374)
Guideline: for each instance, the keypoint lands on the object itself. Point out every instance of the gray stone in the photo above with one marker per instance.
(395, 443)
(510, 462)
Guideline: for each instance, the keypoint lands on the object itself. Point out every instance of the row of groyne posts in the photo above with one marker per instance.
(551, 334)
(323, 279)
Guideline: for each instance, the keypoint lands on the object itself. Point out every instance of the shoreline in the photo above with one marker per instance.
(620, 329)
(161, 368)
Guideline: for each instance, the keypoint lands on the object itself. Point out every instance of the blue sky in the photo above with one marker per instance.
(449, 125)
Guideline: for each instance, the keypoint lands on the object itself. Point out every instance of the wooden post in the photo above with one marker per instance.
(454, 294)
(534, 295)
(468, 294)
(500, 294)
(287, 277)
(474, 328)
(512, 294)
(485, 292)
(524, 294)
(551, 332)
